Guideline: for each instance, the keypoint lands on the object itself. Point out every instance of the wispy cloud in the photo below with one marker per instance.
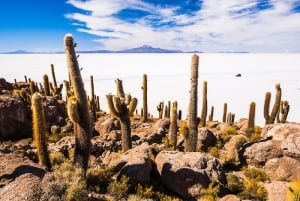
(208, 25)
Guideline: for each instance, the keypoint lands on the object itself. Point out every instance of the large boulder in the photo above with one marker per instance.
(55, 111)
(106, 125)
(134, 164)
(157, 131)
(260, 152)
(284, 168)
(187, 173)
(291, 146)
(205, 139)
(280, 131)
(18, 177)
(15, 118)
(276, 190)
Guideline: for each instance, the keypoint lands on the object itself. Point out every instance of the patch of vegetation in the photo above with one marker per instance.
(211, 193)
(254, 134)
(98, 178)
(119, 189)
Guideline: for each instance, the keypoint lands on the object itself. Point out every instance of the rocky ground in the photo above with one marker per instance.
(225, 151)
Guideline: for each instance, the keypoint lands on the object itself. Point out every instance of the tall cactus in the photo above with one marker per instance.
(122, 107)
(82, 128)
(160, 109)
(92, 102)
(145, 98)
(224, 113)
(173, 126)
(204, 105)
(40, 130)
(251, 119)
(191, 140)
(46, 85)
(270, 118)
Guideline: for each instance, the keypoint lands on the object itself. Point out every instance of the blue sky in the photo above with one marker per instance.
(204, 25)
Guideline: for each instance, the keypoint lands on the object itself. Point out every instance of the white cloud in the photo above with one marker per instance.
(221, 25)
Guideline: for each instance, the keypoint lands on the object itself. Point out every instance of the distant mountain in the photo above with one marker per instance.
(142, 49)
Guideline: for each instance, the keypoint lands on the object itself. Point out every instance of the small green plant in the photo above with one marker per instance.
(254, 190)
(234, 184)
(119, 189)
(145, 192)
(255, 173)
(98, 178)
(211, 193)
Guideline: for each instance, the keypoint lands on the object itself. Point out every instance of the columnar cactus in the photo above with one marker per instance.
(204, 105)
(145, 101)
(46, 85)
(251, 119)
(191, 140)
(173, 126)
(82, 128)
(160, 109)
(270, 118)
(211, 115)
(92, 102)
(224, 112)
(122, 107)
(40, 130)
(56, 90)
(283, 112)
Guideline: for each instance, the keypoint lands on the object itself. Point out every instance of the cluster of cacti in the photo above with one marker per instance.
(191, 140)
(40, 130)
(230, 118)
(145, 97)
(82, 125)
(173, 126)
(160, 109)
(251, 118)
(56, 90)
(293, 193)
(270, 118)
(204, 105)
(122, 107)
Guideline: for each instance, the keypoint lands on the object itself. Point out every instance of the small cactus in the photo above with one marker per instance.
(173, 126)
(224, 112)
(40, 130)
(204, 105)
(160, 109)
(270, 118)
(251, 119)
(145, 103)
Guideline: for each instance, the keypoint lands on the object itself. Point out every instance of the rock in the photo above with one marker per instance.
(276, 190)
(230, 151)
(291, 145)
(230, 198)
(260, 152)
(18, 177)
(280, 131)
(205, 139)
(106, 124)
(284, 168)
(187, 173)
(4, 86)
(15, 118)
(56, 112)
(158, 131)
(134, 163)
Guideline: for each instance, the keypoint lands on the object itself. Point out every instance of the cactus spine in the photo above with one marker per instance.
(82, 128)
(173, 125)
(204, 105)
(251, 119)
(145, 101)
(191, 140)
(40, 130)
(122, 107)
(270, 118)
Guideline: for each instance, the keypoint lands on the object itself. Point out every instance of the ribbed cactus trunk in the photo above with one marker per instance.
(204, 105)
(145, 98)
(270, 118)
(40, 130)
(224, 113)
(191, 140)
(251, 118)
(46, 85)
(173, 126)
(82, 129)
(93, 105)
(211, 115)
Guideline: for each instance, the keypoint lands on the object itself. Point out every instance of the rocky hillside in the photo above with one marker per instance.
(232, 162)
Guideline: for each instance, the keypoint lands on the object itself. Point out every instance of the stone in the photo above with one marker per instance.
(187, 173)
